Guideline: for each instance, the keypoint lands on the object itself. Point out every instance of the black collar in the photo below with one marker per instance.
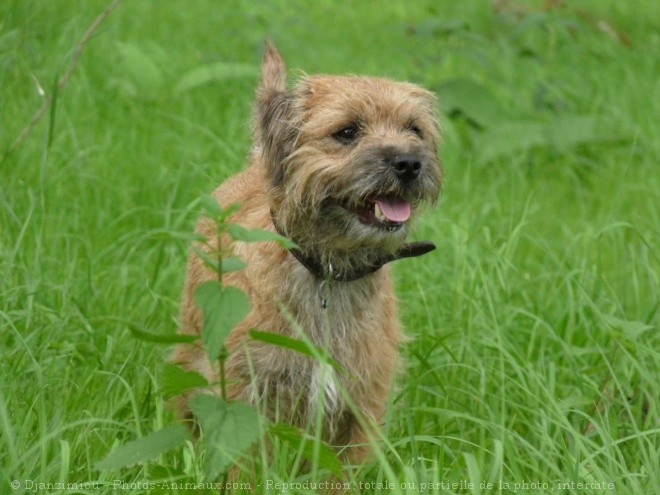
(316, 267)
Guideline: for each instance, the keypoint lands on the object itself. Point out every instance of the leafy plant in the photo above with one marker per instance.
(229, 428)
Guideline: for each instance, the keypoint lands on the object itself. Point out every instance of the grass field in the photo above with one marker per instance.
(534, 363)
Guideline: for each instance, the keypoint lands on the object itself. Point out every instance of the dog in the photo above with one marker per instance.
(341, 166)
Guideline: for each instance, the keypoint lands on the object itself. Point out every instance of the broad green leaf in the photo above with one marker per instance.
(222, 308)
(510, 138)
(296, 345)
(561, 133)
(145, 448)
(308, 447)
(208, 260)
(630, 330)
(229, 429)
(240, 233)
(211, 207)
(175, 380)
(142, 68)
(162, 338)
(217, 72)
(214, 210)
(568, 131)
(230, 264)
(473, 100)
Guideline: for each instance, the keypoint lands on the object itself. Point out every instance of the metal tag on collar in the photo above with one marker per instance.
(325, 287)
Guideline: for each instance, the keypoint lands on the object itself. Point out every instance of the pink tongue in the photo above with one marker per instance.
(395, 209)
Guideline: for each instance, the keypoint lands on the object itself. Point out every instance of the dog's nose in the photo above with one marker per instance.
(406, 167)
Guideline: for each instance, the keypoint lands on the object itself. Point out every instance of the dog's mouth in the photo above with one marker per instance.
(387, 213)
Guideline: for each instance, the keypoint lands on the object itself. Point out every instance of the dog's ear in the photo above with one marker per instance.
(273, 71)
(274, 129)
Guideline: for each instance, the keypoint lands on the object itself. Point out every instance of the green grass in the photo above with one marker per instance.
(535, 324)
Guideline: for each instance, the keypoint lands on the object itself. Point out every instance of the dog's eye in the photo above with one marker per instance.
(416, 130)
(347, 135)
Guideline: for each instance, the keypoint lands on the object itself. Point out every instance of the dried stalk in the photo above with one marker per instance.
(77, 51)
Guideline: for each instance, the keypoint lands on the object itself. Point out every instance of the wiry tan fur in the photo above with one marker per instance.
(306, 181)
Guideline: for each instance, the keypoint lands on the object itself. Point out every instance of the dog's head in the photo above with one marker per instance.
(349, 159)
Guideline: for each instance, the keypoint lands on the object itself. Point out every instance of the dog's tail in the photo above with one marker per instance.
(273, 71)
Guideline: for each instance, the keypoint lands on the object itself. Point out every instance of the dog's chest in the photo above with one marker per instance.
(344, 319)
(339, 317)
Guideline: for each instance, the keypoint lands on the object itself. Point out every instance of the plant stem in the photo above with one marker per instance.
(221, 361)
(223, 352)
(77, 51)
(219, 250)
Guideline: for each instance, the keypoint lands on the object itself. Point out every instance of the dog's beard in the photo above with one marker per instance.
(352, 231)
(340, 237)
(387, 206)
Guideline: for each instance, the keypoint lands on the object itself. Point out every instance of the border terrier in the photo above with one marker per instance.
(340, 165)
